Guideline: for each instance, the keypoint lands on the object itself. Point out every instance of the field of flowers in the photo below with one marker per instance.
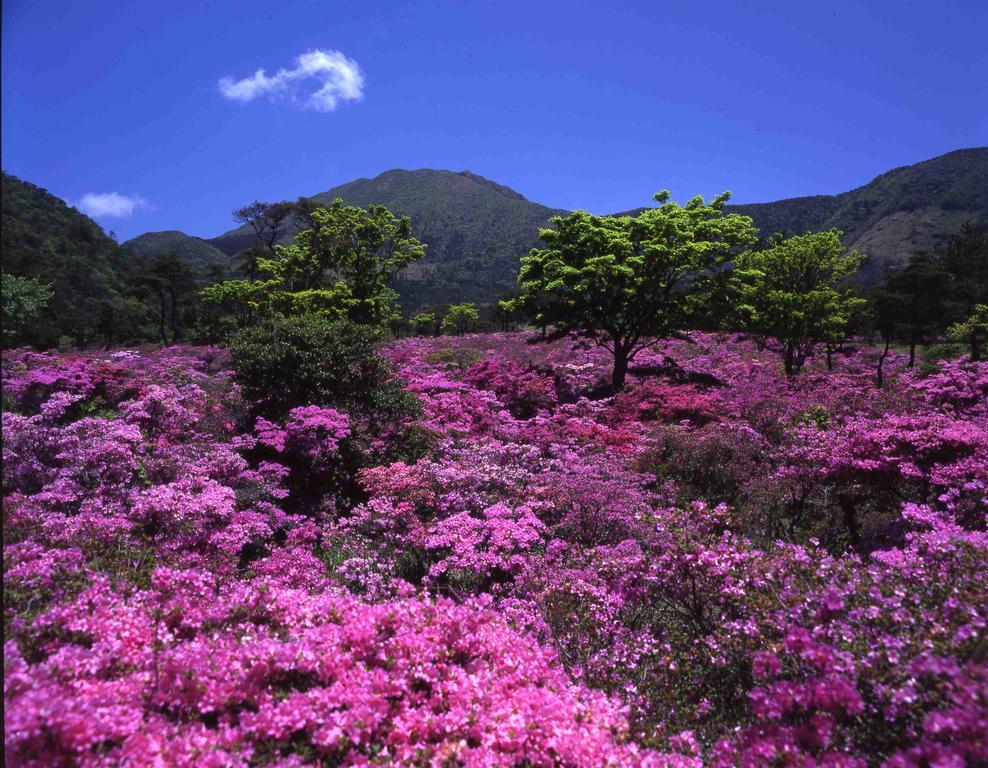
(719, 566)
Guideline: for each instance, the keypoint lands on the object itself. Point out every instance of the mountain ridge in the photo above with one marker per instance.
(478, 229)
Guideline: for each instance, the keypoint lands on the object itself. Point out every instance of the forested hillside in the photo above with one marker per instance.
(202, 257)
(476, 231)
(44, 238)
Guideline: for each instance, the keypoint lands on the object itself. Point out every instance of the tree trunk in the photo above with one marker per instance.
(620, 368)
(851, 523)
(880, 378)
(913, 341)
(790, 362)
(176, 335)
(161, 317)
(830, 358)
(975, 347)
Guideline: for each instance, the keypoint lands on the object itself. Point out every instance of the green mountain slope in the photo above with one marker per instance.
(476, 230)
(43, 237)
(916, 206)
(194, 251)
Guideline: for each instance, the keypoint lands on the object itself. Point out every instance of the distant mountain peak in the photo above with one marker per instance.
(477, 229)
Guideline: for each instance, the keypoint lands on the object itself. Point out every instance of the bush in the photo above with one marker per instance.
(311, 360)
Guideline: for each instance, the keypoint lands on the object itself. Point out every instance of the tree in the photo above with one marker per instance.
(972, 331)
(169, 279)
(460, 319)
(965, 258)
(625, 281)
(889, 313)
(912, 298)
(341, 267)
(24, 300)
(424, 324)
(504, 313)
(284, 363)
(266, 219)
(796, 292)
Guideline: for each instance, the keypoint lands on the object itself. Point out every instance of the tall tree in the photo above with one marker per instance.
(797, 291)
(912, 298)
(625, 281)
(460, 318)
(965, 258)
(24, 299)
(266, 219)
(972, 331)
(341, 266)
(170, 283)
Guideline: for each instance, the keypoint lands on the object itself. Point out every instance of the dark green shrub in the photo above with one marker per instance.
(289, 362)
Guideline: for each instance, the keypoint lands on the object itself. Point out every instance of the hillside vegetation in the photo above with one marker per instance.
(202, 257)
(913, 207)
(44, 238)
(476, 231)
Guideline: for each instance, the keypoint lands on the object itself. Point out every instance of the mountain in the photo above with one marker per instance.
(916, 206)
(476, 230)
(43, 237)
(194, 251)
(905, 209)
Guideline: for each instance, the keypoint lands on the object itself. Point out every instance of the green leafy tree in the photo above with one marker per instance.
(972, 331)
(505, 313)
(625, 281)
(340, 267)
(796, 291)
(460, 319)
(24, 301)
(424, 324)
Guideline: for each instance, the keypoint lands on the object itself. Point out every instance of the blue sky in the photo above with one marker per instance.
(573, 104)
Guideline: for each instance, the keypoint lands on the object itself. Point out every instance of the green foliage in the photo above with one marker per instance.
(460, 319)
(288, 362)
(424, 323)
(816, 415)
(169, 284)
(935, 197)
(199, 255)
(476, 231)
(973, 330)
(965, 258)
(624, 281)
(88, 272)
(795, 292)
(340, 267)
(909, 304)
(24, 300)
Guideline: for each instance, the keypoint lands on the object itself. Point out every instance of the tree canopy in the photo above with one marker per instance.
(797, 292)
(625, 281)
(460, 318)
(340, 266)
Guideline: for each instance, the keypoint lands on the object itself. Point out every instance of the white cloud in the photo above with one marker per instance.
(111, 204)
(338, 78)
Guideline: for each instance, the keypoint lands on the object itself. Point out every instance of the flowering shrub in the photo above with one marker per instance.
(719, 566)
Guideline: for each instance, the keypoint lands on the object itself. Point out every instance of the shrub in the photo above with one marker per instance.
(310, 360)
